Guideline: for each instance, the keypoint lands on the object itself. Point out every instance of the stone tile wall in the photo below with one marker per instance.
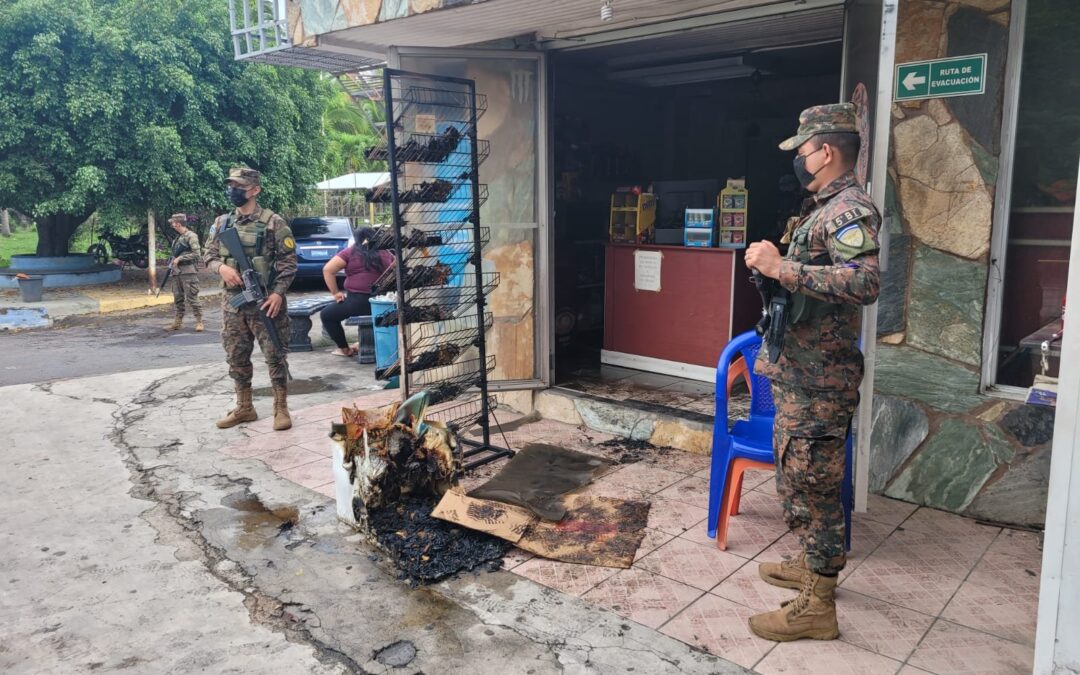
(936, 440)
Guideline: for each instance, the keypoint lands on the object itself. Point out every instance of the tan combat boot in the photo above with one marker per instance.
(175, 325)
(199, 327)
(786, 574)
(282, 420)
(243, 412)
(811, 615)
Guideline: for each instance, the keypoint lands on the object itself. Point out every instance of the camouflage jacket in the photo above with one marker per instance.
(840, 238)
(279, 248)
(185, 262)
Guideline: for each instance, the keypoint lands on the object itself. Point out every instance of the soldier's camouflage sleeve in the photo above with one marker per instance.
(283, 253)
(851, 240)
(212, 254)
(192, 256)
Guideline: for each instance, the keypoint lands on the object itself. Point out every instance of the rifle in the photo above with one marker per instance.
(252, 291)
(179, 249)
(774, 314)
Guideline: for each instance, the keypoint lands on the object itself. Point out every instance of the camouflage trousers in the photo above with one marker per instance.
(808, 448)
(186, 295)
(239, 331)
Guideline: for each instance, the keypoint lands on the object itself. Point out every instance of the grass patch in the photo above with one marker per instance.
(25, 241)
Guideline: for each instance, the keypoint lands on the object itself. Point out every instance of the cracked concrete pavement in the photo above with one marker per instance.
(132, 544)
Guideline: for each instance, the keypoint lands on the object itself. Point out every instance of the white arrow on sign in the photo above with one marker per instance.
(912, 80)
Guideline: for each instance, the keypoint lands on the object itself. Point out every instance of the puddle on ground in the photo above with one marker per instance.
(260, 523)
(307, 385)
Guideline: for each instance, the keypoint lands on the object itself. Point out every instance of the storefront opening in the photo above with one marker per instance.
(627, 120)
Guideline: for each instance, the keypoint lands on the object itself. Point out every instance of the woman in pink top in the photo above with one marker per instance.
(362, 265)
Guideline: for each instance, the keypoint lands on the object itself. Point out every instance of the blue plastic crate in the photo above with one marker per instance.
(386, 339)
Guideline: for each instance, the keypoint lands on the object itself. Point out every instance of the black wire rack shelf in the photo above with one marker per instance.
(445, 383)
(461, 332)
(461, 416)
(417, 276)
(447, 149)
(455, 295)
(457, 100)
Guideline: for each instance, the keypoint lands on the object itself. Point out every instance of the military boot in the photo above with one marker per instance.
(282, 420)
(243, 412)
(786, 574)
(175, 325)
(811, 615)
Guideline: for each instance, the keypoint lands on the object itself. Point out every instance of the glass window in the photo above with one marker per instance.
(336, 228)
(1043, 192)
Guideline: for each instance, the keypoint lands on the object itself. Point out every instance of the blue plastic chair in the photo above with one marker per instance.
(750, 439)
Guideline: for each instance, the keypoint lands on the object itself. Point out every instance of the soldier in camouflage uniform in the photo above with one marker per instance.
(270, 246)
(186, 252)
(831, 269)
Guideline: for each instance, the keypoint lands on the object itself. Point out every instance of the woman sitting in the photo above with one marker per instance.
(362, 266)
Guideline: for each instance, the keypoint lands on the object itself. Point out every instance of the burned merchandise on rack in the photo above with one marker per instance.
(437, 190)
(415, 277)
(415, 315)
(421, 148)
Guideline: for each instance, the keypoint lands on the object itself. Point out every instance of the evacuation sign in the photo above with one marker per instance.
(955, 76)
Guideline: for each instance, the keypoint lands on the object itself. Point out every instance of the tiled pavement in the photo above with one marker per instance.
(924, 591)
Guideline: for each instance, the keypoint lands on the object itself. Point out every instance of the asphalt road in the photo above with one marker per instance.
(107, 343)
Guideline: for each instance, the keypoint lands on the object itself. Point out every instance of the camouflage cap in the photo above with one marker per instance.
(835, 118)
(178, 218)
(245, 177)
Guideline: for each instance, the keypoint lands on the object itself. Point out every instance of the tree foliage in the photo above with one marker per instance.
(129, 105)
(349, 129)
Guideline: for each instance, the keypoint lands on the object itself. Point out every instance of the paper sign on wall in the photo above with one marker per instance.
(647, 270)
(425, 124)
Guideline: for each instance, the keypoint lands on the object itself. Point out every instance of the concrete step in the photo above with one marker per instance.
(657, 424)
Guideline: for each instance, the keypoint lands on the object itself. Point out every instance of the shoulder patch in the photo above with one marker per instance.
(850, 216)
(289, 243)
(851, 235)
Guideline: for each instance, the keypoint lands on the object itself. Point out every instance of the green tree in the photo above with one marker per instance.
(349, 129)
(129, 105)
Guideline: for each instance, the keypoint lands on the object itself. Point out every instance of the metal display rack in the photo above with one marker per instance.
(435, 195)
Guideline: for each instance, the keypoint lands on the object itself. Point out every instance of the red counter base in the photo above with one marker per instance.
(705, 297)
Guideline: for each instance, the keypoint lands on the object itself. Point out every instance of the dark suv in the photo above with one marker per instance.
(317, 240)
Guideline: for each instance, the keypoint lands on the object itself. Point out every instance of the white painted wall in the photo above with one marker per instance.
(1057, 641)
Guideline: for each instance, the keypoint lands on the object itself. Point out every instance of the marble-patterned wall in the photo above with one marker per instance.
(936, 440)
(310, 18)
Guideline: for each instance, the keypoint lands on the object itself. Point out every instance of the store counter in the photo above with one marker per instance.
(705, 297)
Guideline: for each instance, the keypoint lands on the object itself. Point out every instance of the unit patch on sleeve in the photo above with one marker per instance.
(289, 243)
(850, 216)
(851, 235)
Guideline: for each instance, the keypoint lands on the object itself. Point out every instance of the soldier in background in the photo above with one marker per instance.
(186, 253)
(831, 269)
(270, 246)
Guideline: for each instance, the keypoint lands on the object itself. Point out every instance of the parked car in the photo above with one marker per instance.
(317, 240)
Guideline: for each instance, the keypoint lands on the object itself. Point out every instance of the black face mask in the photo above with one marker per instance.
(237, 195)
(802, 173)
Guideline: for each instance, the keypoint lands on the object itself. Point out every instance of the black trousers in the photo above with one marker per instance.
(356, 304)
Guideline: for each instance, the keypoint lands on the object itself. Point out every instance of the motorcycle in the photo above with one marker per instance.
(131, 249)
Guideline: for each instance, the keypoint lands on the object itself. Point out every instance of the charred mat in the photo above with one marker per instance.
(539, 475)
(594, 531)
(427, 549)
